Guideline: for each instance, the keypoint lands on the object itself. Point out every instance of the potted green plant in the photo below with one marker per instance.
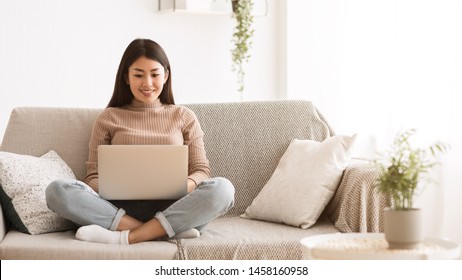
(242, 39)
(400, 172)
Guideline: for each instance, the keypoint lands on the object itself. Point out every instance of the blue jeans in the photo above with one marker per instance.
(77, 202)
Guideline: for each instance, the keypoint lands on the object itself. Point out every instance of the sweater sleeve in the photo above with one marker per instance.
(193, 136)
(101, 135)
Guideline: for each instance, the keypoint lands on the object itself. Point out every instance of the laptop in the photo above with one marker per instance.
(142, 172)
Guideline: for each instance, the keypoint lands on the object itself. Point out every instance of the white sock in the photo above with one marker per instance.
(97, 234)
(190, 233)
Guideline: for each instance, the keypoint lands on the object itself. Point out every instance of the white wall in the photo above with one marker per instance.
(66, 53)
(374, 67)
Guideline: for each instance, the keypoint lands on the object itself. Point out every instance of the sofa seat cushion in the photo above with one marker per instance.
(237, 238)
(63, 245)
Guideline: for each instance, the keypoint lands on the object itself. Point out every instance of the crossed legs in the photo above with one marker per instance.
(103, 222)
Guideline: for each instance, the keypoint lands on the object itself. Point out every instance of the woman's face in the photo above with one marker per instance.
(146, 78)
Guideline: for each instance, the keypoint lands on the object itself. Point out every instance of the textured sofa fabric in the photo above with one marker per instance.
(244, 142)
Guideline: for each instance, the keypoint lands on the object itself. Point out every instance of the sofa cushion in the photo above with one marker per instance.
(64, 246)
(303, 183)
(34, 131)
(234, 238)
(245, 141)
(23, 180)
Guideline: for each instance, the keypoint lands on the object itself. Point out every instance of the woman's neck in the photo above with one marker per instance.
(138, 104)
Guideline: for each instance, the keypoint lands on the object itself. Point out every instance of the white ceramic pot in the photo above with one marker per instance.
(403, 228)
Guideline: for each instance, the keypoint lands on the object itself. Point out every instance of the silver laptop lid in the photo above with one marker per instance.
(148, 172)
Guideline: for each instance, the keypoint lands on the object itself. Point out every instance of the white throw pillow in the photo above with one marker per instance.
(23, 181)
(303, 183)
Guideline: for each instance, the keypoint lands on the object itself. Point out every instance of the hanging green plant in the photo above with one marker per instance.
(242, 38)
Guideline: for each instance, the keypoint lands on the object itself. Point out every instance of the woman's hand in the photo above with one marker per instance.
(191, 185)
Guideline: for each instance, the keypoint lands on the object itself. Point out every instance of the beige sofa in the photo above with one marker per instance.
(244, 142)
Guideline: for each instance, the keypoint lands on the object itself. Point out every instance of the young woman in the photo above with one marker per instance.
(142, 111)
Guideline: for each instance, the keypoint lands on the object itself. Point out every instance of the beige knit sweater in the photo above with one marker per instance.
(143, 124)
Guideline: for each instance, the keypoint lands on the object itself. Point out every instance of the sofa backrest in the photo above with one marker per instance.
(244, 141)
(34, 131)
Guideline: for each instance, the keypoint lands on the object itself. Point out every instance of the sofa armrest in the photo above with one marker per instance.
(357, 206)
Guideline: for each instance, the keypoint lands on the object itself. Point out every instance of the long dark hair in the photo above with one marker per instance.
(122, 94)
